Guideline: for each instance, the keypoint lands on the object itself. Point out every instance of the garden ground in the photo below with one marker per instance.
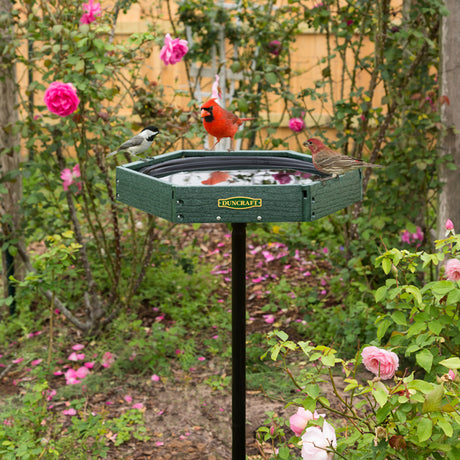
(185, 417)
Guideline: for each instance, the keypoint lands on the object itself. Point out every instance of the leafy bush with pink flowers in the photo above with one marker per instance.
(398, 397)
(90, 260)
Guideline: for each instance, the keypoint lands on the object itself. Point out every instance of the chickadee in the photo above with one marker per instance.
(139, 143)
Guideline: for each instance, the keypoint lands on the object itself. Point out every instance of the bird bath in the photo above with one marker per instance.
(197, 186)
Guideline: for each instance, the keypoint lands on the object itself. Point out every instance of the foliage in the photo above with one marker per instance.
(415, 416)
(29, 429)
(100, 262)
(372, 88)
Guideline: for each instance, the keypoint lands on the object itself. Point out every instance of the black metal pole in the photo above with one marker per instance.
(239, 341)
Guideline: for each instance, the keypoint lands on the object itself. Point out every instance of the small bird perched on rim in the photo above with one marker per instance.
(329, 161)
(139, 143)
(219, 122)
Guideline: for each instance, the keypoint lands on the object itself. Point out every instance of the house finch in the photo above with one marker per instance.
(330, 161)
(219, 122)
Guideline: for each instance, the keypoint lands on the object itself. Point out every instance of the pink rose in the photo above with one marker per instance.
(68, 178)
(299, 420)
(274, 47)
(296, 124)
(449, 225)
(315, 441)
(453, 269)
(92, 10)
(380, 362)
(173, 50)
(61, 98)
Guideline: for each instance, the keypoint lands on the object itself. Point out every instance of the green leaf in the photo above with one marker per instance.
(382, 413)
(415, 292)
(421, 386)
(99, 66)
(380, 395)
(284, 453)
(352, 383)
(80, 65)
(424, 429)
(453, 298)
(386, 265)
(306, 348)
(424, 359)
(445, 426)
(312, 390)
(275, 351)
(243, 106)
(380, 293)
(235, 67)
(399, 318)
(435, 326)
(442, 287)
(416, 328)
(451, 363)
(433, 400)
(382, 328)
(271, 78)
(328, 360)
(282, 335)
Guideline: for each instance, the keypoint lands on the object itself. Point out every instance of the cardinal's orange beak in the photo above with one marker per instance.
(204, 113)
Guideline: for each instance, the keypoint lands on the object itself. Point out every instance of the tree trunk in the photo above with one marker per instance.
(449, 206)
(9, 142)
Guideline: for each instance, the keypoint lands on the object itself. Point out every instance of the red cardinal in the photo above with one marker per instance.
(219, 122)
(330, 161)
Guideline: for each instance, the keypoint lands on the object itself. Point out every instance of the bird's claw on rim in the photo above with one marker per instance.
(324, 179)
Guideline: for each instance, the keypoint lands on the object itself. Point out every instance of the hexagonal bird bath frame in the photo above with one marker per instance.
(138, 185)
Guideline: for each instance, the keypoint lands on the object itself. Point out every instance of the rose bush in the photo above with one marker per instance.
(414, 413)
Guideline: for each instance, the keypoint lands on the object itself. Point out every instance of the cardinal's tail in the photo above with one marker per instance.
(248, 119)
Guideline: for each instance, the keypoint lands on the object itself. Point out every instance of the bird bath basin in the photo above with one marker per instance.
(263, 186)
(197, 186)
